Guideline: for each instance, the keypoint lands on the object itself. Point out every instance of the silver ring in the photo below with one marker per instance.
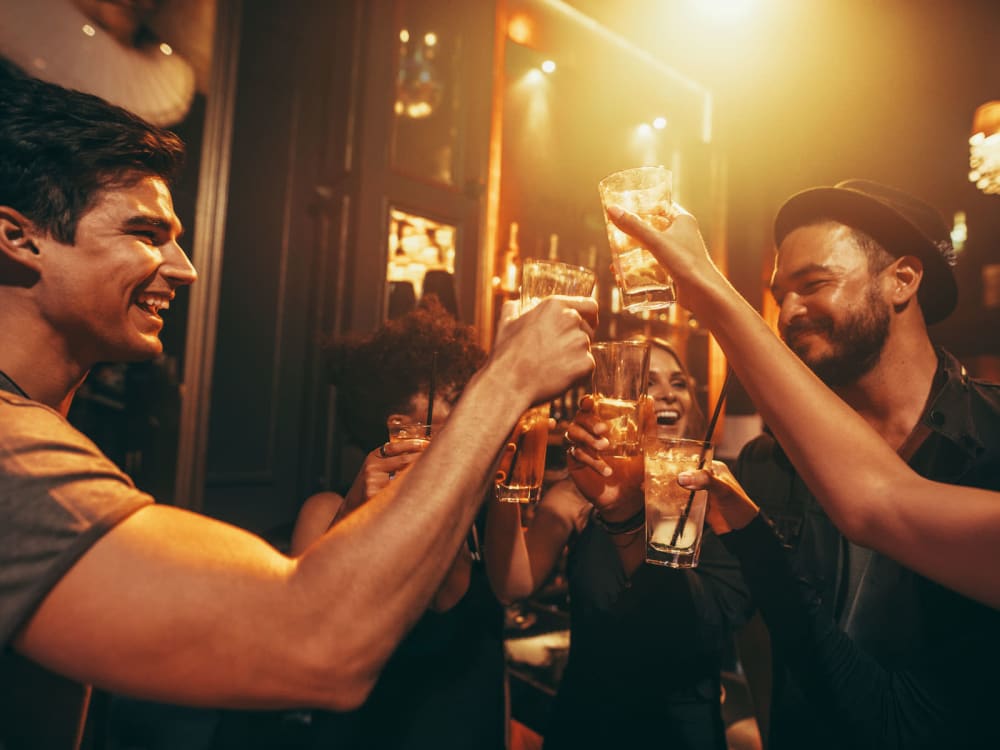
(381, 451)
(571, 452)
(392, 475)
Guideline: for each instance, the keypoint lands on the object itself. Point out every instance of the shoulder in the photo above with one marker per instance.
(981, 392)
(37, 444)
(58, 495)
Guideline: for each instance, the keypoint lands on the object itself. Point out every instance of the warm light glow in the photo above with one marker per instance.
(548, 66)
(430, 39)
(166, 49)
(984, 148)
(404, 36)
(520, 29)
(959, 231)
(534, 77)
(88, 29)
(660, 123)
(643, 145)
(725, 11)
(418, 110)
(530, 97)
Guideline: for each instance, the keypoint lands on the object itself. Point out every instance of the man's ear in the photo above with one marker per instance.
(907, 273)
(19, 257)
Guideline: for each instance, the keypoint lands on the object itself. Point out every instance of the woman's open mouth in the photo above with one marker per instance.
(668, 417)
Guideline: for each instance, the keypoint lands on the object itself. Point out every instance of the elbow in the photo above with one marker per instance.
(509, 594)
(351, 693)
(342, 678)
(338, 666)
(863, 515)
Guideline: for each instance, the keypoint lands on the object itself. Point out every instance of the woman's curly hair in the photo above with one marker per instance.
(378, 374)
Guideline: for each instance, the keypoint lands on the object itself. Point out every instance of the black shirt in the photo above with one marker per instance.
(894, 660)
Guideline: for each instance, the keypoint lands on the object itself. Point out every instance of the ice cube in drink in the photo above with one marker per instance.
(622, 417)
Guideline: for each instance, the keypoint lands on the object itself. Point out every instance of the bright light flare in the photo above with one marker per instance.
(534, 77)
(430, 39)
(725, 11)
(520, 29)
(659, 123)
(549, 66)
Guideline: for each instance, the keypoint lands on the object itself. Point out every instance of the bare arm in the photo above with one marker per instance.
(519, 560)
(177, 607)
(872, 496)
(324, 509)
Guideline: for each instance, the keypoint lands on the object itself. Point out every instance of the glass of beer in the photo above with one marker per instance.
(522, 466)
(621, 371)
(675, 516)
(647, 191)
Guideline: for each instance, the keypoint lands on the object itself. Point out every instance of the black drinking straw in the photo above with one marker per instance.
(679, 528)
(431, 387)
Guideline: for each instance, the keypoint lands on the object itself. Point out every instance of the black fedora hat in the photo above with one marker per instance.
(901, 223)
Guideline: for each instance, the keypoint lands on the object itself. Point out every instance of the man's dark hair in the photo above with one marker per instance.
(878, 257)
(377, 375)
(60, 148)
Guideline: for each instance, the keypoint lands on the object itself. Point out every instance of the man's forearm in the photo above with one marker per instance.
(400, 544)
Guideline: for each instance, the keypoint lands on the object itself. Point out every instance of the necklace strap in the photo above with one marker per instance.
(6, 384)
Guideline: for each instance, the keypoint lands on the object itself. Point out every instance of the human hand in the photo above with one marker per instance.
(613, 484)
(679, 247)
(545, 350)
(381, 466)
(729, 506)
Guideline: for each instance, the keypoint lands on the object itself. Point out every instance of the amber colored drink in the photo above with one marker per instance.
(622, 417)
(519, 479)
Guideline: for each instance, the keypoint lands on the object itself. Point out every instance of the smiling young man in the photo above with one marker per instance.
(871, 655)
(100, 585)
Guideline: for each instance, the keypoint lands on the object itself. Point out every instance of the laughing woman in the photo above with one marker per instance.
(646, 643)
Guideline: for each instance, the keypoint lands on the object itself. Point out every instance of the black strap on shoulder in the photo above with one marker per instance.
(6, 384)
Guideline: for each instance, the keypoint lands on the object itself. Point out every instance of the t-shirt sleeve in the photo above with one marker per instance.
(58, 495)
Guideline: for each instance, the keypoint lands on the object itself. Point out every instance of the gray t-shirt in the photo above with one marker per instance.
(58, 495)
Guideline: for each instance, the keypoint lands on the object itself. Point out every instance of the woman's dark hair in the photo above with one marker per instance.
(377, 375)
(60, 148)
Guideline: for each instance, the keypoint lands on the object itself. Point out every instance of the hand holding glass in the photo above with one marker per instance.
(647, 191)
(675, 516)
(621, 371)
(522, 468)
(402, 428)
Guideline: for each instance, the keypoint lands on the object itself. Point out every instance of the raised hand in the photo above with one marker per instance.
(613, 484)
(380, 467)
(679, 247)
(729, 506)
(547, 349)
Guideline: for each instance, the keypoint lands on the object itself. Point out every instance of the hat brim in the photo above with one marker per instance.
(938, 293)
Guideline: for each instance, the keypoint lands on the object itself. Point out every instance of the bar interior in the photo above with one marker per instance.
(349, 160)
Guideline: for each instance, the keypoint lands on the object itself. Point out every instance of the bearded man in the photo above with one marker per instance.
(867, 653)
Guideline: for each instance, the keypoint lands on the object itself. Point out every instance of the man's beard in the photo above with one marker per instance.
(857, 342)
